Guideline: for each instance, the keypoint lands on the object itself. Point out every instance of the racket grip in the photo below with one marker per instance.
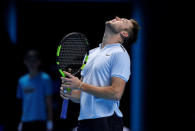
(67, 90)
(64, 75)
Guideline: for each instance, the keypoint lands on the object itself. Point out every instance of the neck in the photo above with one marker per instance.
(110, 37)
(33, 73)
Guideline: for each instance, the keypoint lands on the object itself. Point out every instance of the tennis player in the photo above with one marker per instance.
(103, 79)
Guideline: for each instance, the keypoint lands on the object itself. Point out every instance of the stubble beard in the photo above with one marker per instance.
(110, 28)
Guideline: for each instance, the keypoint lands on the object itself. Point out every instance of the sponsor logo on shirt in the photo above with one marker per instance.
(28, 90)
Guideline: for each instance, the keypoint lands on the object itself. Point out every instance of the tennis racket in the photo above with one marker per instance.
(72, 54)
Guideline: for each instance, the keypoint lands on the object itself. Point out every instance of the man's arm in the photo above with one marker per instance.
(49, 125)
(49, 107)
(19, 105)
(19, 111)
(113, 92)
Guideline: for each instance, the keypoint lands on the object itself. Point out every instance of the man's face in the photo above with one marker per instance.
(32, 61)
(119, 24)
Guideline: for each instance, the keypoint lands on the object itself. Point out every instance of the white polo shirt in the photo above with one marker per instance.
(103, 64)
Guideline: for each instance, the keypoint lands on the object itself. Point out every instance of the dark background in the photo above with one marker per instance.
(168, 26)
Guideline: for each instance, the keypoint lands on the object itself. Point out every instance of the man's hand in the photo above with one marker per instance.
(74, 95)
(65, 95)
(73, 83)
(49, 125)
(70, 81)
(20, 125)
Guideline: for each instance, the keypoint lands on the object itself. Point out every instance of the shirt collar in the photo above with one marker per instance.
(109, 45)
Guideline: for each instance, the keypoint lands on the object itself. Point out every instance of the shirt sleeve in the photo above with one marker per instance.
(19, 91)
(82, 71)
(120, 65)
(48, 86)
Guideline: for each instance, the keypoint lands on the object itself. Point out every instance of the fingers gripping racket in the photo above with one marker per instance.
(71, 51)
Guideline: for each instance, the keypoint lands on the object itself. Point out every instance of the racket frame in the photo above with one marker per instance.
(58, 53)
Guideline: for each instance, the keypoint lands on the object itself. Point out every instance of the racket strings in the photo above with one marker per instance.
(72, 53)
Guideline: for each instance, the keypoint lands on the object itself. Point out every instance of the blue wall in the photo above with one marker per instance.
(11, 21)
(137, 83)
(80, 0)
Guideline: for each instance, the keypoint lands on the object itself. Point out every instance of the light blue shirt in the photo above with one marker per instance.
(33, 92)
(103, 64)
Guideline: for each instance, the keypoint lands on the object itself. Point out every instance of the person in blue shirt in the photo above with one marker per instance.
(35, 91)
(103, 79)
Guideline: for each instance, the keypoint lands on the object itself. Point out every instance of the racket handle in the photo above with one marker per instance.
(64, 75)
(67, 90)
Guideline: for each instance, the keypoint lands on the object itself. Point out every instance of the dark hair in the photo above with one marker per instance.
(133, 33)
(32, 53)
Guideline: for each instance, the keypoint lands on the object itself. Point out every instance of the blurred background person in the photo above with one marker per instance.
(35, 92)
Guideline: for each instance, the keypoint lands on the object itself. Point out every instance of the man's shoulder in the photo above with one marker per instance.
(119, 50)
(119, 54)
(45, 75)
(23, 77)
(93, 50)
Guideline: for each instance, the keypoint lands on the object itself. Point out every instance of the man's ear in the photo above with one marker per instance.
(124, 34)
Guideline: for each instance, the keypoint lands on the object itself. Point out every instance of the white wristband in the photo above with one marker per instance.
(81, 85)
(50, 125)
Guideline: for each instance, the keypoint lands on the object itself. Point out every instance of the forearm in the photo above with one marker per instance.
(49, 108)
(112, 92)
(106, 92)
(19, 107)
(50, 114)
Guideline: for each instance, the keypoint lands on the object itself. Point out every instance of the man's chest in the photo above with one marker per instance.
(30, 87)
(99, 62)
